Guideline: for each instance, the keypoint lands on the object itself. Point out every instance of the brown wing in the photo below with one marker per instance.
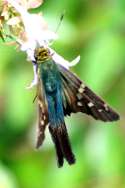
(77, 97)
(42, 115)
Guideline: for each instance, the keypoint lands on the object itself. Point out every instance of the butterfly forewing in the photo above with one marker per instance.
(77, 97)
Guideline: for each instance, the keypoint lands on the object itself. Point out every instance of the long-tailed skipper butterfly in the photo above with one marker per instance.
(60, 93)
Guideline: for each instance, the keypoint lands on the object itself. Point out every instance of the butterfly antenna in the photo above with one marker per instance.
(60, 21)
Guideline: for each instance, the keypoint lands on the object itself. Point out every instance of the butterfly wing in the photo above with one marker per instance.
(77, 97)
(42, 114)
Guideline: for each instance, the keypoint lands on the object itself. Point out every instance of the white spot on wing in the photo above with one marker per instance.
(106, 107)
(81, 88)
(42, 122)
(99, 110)
(79, 104)
(90, 104)
(44, 117)
(40, 104)
(82, 85)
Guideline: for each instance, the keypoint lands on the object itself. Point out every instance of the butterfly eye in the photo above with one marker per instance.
(44, 55)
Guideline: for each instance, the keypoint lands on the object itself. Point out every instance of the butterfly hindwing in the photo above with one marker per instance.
(42, 115)
(77, 97)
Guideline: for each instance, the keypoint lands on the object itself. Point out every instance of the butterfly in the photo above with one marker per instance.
(60, 93)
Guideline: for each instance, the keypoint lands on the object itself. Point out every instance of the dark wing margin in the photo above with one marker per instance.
(42, 115)
(77, 97)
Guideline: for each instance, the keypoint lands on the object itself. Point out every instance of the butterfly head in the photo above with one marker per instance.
(42, 54)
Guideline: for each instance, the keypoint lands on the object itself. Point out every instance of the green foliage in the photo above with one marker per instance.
(95, 30)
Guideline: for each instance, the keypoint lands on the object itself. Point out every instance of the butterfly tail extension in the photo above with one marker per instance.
(63, 148)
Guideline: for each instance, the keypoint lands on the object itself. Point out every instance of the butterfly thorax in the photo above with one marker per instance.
(48, 70)
(50, 76)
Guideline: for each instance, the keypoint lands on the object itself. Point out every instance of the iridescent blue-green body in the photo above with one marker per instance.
(51, 79)
(61, 93)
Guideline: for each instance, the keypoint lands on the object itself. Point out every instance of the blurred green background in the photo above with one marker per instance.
(95, 29)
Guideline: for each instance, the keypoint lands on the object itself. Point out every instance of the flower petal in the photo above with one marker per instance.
(75, 61)
(60, 60)
(34, 3)
(13, 21)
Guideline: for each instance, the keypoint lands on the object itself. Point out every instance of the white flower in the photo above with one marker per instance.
(35, 28)
(36, 34)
